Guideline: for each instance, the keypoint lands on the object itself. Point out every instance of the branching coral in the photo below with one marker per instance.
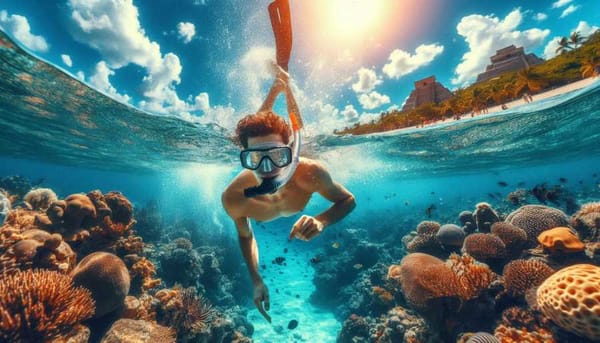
(37, 305)
(145, 270)
(521, 275)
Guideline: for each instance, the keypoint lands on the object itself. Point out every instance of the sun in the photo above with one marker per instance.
(347, 18)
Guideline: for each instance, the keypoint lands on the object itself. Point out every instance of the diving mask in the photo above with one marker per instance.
(279, 156)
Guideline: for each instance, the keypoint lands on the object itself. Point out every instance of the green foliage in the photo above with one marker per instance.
(578, 58)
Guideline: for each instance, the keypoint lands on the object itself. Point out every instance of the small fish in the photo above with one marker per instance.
(315, 259)
(285, 250)
(502, 184)
(563, 180)
(357, 266)
(335, 245)
(292, 324)
(429, 210)
(406, 203)
(279, 260)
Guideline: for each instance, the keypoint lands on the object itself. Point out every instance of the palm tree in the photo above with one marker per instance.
(576, 39)
(590, 66)
(528, 81)
(563, 45)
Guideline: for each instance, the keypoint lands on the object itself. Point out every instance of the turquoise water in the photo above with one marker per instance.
(56, 129)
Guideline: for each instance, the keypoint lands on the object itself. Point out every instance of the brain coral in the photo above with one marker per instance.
(535, 219)
(571, 299)
(485, 216)
(521, 275)
(38, 305)
(106, 276)
(560, 240)
(484, 247)
(587, 221)
(513, 237)
(428, 227)
(40, 198)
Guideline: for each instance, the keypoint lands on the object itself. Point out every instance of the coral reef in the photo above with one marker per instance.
(587, 221)
(467, 221)
(36, 248)
(40, 198)
(484, 247)
(484, 216)
(425, 241)
(149, 222)
(451, 236)
(570, 298)
(535, 219)
(513, 237)
(521, 275)
(560, 240)
(107, 278)
(129, 330)
(37, 305)
(520, 325)
(180, 263)
(15, 186)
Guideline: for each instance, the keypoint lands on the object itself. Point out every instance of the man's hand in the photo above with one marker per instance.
(306, 228)
(261, 294)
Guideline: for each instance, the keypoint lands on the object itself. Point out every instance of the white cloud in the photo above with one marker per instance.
(186, 31)
(540, 16)
(100, 80)
(66, 60)
(561, 3)
(113, 28)
(367, 80)
(402, 62)
(485, 35)
(550, 49)
(569, 10)
(583, 28)
(18, 27)
(80, 75)
(373, 100)
(350, 113)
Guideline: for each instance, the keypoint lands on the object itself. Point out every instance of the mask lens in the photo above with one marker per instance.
(280, 156)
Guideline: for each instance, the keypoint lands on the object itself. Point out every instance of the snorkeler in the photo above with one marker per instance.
(266, 155)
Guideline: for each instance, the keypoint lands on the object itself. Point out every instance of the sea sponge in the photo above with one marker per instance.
(122, 210)
(521, 275)
(484, 247)
(571, 299)
(485, 216)
(560, 240)
(72, 214)
(106, 276)
(450, 235)
(39, 305)
(467, 221)
(587, 221)
(40, 198)
(514, 238)
(535, 219)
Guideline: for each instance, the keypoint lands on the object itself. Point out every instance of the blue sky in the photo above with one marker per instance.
(206, 60)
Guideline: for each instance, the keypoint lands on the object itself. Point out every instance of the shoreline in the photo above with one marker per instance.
(498, 108)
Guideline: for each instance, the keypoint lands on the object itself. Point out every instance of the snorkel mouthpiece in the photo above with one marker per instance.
(268, 186)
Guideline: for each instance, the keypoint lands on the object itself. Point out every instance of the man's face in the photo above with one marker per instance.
(266, 169)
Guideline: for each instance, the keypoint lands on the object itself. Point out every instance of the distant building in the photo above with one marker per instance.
(426, 91)
(507, 59)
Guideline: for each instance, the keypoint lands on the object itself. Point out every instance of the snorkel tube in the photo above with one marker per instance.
(279, 12)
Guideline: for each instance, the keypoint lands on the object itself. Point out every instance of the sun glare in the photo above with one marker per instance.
(351, 17)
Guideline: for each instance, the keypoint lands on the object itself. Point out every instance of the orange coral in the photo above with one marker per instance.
(37, 305)
(383, 295)
(145, 269)
(514, 238)
(19, 219)
(185, 310)
(520, 325)
(521, 275)
(472, 276)
(560, 240)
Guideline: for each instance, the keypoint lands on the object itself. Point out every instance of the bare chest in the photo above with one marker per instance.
(286, 202)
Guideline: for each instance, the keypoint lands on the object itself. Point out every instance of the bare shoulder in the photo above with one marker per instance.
(311, 173)
(233, 198)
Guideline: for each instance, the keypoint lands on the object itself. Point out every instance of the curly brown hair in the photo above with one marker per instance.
(261, 124)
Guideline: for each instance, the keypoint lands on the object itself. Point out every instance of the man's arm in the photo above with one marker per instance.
(320, 181)
(249, 250)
